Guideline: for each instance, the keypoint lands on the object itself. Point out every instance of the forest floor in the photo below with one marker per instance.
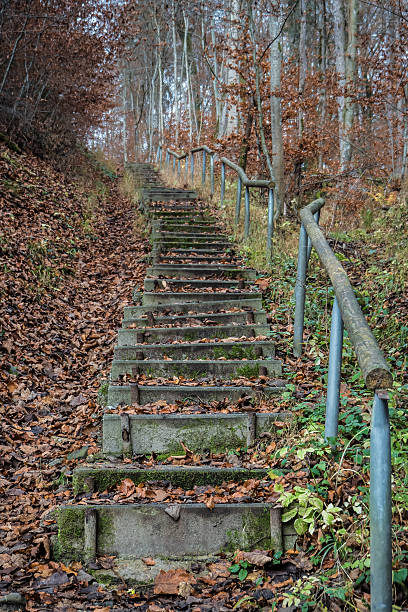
(71, 252)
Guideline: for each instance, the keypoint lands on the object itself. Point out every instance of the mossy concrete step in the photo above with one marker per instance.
(134, 312)
(165, 189)
(185, 228)
(150, 298)
(183, 218)
(196, 369)
(141, 395)
(105, 476)
(206, 251)
(131, 532)
(158, 194)
(194, 271)
(142, 434)
(182, 205)
(191, 245)
(188, 241)
(150, 284)
(220, 318)
(127, 337)
(196, 350)
(168, 190)
(180, 215)
(197, 237)
(192, 259)
(186, 208)
(194, 227)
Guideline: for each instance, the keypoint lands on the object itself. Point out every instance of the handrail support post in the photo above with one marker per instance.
(380, 506)
(238, 202)
(222, 185)
(271, 207)
(212, 173)
(247, 213)
(203, 168)
(334, 373)
(300, 292)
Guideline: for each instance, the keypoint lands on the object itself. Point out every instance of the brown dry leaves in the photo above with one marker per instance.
(62, 290)
(174, 582)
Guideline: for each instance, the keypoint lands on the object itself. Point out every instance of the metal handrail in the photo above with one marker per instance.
(243, 180)
(347, 312)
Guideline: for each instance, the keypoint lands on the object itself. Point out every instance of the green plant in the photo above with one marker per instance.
(240, 569)
(305, 508)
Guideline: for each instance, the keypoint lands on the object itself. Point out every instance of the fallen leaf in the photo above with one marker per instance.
(127, 487)
(148, 561)
(255, 557)
(168, 583)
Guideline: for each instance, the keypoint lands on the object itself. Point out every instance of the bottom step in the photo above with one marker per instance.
(131, 532)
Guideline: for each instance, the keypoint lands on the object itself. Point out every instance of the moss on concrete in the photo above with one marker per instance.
(248, 371)
(102, 398)
(70, 533)
(235, 352)
(105, 529)
(255, 532)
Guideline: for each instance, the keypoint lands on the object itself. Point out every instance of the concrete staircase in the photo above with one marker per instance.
(191, 340)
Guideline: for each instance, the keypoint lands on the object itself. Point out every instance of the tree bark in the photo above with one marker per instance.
(276, 114)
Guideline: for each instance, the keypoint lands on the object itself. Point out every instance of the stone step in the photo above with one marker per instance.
(184, 227)
(193, 350)
(192, 245)
(194, 271)
(196, 369)
(162, 190)
(142, 434)
(189, 214)
(192, 205)
(104, 476)
(141, 395)
(196, 236)
(207, 251)
(199, 239)
(127, 337)
(185, 207)
(165, 189)
(134, 312)
(155, 195)
(152, 284)
(132, 532)
(243, 317)
(193, 260)
(150, 298)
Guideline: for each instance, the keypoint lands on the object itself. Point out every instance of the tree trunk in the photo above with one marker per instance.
(350, 83)
(276, 115)
(124, 120)
(232, 77)
(245, 145)
(175, 73)
(323, 68)
(340, 47)
(258, 91)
